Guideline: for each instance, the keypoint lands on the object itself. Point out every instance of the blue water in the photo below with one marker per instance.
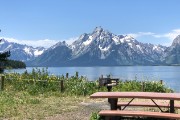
(169, 74)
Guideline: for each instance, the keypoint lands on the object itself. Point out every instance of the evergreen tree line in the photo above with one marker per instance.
(14, 64)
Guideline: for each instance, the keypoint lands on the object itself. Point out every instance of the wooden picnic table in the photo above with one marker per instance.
(113, 97)
(113, 113)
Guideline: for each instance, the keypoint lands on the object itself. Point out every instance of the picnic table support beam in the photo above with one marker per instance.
(157, 105)
(128, 103)
(171, 106)
(113, 103)
(109, 88)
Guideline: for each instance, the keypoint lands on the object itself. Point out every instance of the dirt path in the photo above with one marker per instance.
(83, 112)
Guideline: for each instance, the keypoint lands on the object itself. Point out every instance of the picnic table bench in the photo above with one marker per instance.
(114, 104)
(112, 113)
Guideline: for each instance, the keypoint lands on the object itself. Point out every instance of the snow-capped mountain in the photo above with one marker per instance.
(103, 48)
(59, 53)
(172, 53)
(19, 51)
(108, 48)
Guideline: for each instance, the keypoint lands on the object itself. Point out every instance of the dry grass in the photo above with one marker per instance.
(24, 106)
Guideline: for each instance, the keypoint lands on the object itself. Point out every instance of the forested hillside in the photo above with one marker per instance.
(14, 64)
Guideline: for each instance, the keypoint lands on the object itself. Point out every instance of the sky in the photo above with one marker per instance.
(46, 22)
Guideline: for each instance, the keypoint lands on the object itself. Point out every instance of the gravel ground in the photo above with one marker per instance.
(82, 113)
(86, 108)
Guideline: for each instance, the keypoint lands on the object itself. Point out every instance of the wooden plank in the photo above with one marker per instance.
(143, 95)
(139, 114)
(143, 104)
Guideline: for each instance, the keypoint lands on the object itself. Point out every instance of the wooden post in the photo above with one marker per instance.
(161, 82)
(142, 89)
(67, 75)
(63, 77)
(77, 75)
(62, 85)
(2, 83)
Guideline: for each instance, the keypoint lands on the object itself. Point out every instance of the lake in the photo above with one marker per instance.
(169, 74)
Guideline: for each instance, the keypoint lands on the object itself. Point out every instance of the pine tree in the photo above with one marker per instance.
(3, 58)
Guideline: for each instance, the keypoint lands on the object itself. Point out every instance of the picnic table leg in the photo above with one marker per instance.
(171, 106)
(113, 105)
(109, 88)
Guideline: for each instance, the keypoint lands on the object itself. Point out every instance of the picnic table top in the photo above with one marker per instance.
(144, 95)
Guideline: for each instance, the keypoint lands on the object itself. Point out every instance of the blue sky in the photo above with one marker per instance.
(45, 22)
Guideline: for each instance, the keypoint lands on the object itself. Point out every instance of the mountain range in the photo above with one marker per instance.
(99, 48)
(19, 51)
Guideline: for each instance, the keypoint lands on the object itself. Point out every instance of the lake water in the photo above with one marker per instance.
(169, 74)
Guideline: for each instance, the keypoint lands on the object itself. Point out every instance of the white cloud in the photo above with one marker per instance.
(140, 34)
(35, 43)
(166, 37)
(71, 40)
(170, 35)
(39, 43)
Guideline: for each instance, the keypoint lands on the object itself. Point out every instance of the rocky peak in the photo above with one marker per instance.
(176, 41)
(84, 37)
(63, 43)
(98, 29)
(2, 39)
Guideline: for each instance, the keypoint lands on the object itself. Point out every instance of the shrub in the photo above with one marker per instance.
(39, 81)
(94, 116)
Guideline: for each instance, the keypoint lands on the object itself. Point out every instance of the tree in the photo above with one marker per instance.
(3, 58)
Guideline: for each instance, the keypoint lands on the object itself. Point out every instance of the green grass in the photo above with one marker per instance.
(22, 105)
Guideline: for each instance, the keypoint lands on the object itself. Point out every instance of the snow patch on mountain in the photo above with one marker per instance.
(87, 42)
(140, 48)
(38, 52)
(128, 38)
(28, 50)
(104, 49)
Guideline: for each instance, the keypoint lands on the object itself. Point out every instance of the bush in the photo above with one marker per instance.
(39, 81)
(94, 116)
